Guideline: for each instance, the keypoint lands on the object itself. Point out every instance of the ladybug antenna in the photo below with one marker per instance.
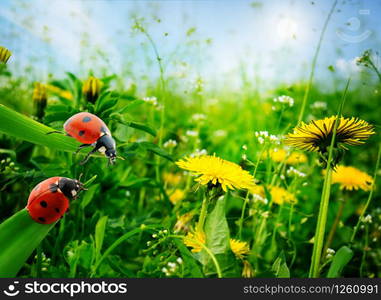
(80, 176)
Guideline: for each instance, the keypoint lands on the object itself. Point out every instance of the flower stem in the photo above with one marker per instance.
(204, 209)
(334, 226)
(369, 197)
(324, 201)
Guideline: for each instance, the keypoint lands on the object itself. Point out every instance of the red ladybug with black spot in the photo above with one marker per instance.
(49, 200)
(91, 131)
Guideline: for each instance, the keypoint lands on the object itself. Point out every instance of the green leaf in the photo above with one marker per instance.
(340, 260)
(280, 268)
(19, 236)
(88, 196)
(100, 229)
(218, 241)
(217, 229)
(142, 127)
(24, 128)
(156, 149)
(130, 106)
(189, 261)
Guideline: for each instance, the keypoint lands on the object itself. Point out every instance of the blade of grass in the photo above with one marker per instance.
(19, 236)
(20, 126)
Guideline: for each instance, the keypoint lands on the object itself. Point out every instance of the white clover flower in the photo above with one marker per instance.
(150, 100)
(170, 144)
(367, 219)
(319, 105)
(198, 117)
(259, 198)
(220, 133)
(199, 152)
(284, 100)
(294, 172)
(191, 133)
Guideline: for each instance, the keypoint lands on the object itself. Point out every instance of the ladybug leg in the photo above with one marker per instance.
(88, 155)
(81, 147)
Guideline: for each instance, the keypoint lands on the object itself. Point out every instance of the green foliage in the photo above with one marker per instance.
(19, 236)
(340, 260)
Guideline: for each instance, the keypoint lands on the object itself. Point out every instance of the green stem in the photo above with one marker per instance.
(369, 197)
(324, 201)
(313, 65)
(320, 227)
(335, 225)
(207, 250)
(204, 209)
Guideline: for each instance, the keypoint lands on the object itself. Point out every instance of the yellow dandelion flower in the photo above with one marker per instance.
(278, 195)
(91, 89)
(40, 99)
(183, 221)
(177, 196)
(5, 54)
(239, 248)
(195, 238)
(215, 170)
(192, 236)
(317, 135)
(58, 91)
(351, 178)
(281, 155)
(171, 178)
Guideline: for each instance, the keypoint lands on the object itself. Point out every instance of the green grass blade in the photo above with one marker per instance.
(19, 236)
(340, 260)
(20, 126)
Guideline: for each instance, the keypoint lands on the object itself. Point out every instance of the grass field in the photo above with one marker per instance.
(155, 214)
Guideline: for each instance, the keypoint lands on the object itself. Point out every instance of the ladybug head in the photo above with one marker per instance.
(106, 144)
(70, 187)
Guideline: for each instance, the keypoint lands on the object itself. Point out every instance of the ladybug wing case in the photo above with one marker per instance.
(85, 127)
(46, 206)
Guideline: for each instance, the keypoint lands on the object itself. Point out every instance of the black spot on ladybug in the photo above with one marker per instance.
(86, 119)
(53, 188)
(44, 204)
(41, 219)
(57, 210)
(81, 132)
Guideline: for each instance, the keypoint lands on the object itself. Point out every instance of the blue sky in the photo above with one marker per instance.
(273, 40)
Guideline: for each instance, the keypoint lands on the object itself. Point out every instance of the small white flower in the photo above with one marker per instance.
(170, 144)
(154, 235)
(319, 105)
(294, 172)
(199, 152)
(367, 219)
(284, 100)
(244, 157)
(179, 260)
(220, 133)
(261, 140)
(244, 147)
(191, 133)
(150, 100)
(330, 251)
(198, 117)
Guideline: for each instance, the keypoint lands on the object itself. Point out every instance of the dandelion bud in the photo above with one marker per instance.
(5, 54)
(247, 271)
(39, 99)
(92, 88)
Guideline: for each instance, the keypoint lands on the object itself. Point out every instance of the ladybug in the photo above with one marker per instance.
(49, 200)
(91, 131)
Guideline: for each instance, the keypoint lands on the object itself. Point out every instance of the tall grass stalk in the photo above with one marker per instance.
(313, 65)
(324, 201)
(370, 195)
